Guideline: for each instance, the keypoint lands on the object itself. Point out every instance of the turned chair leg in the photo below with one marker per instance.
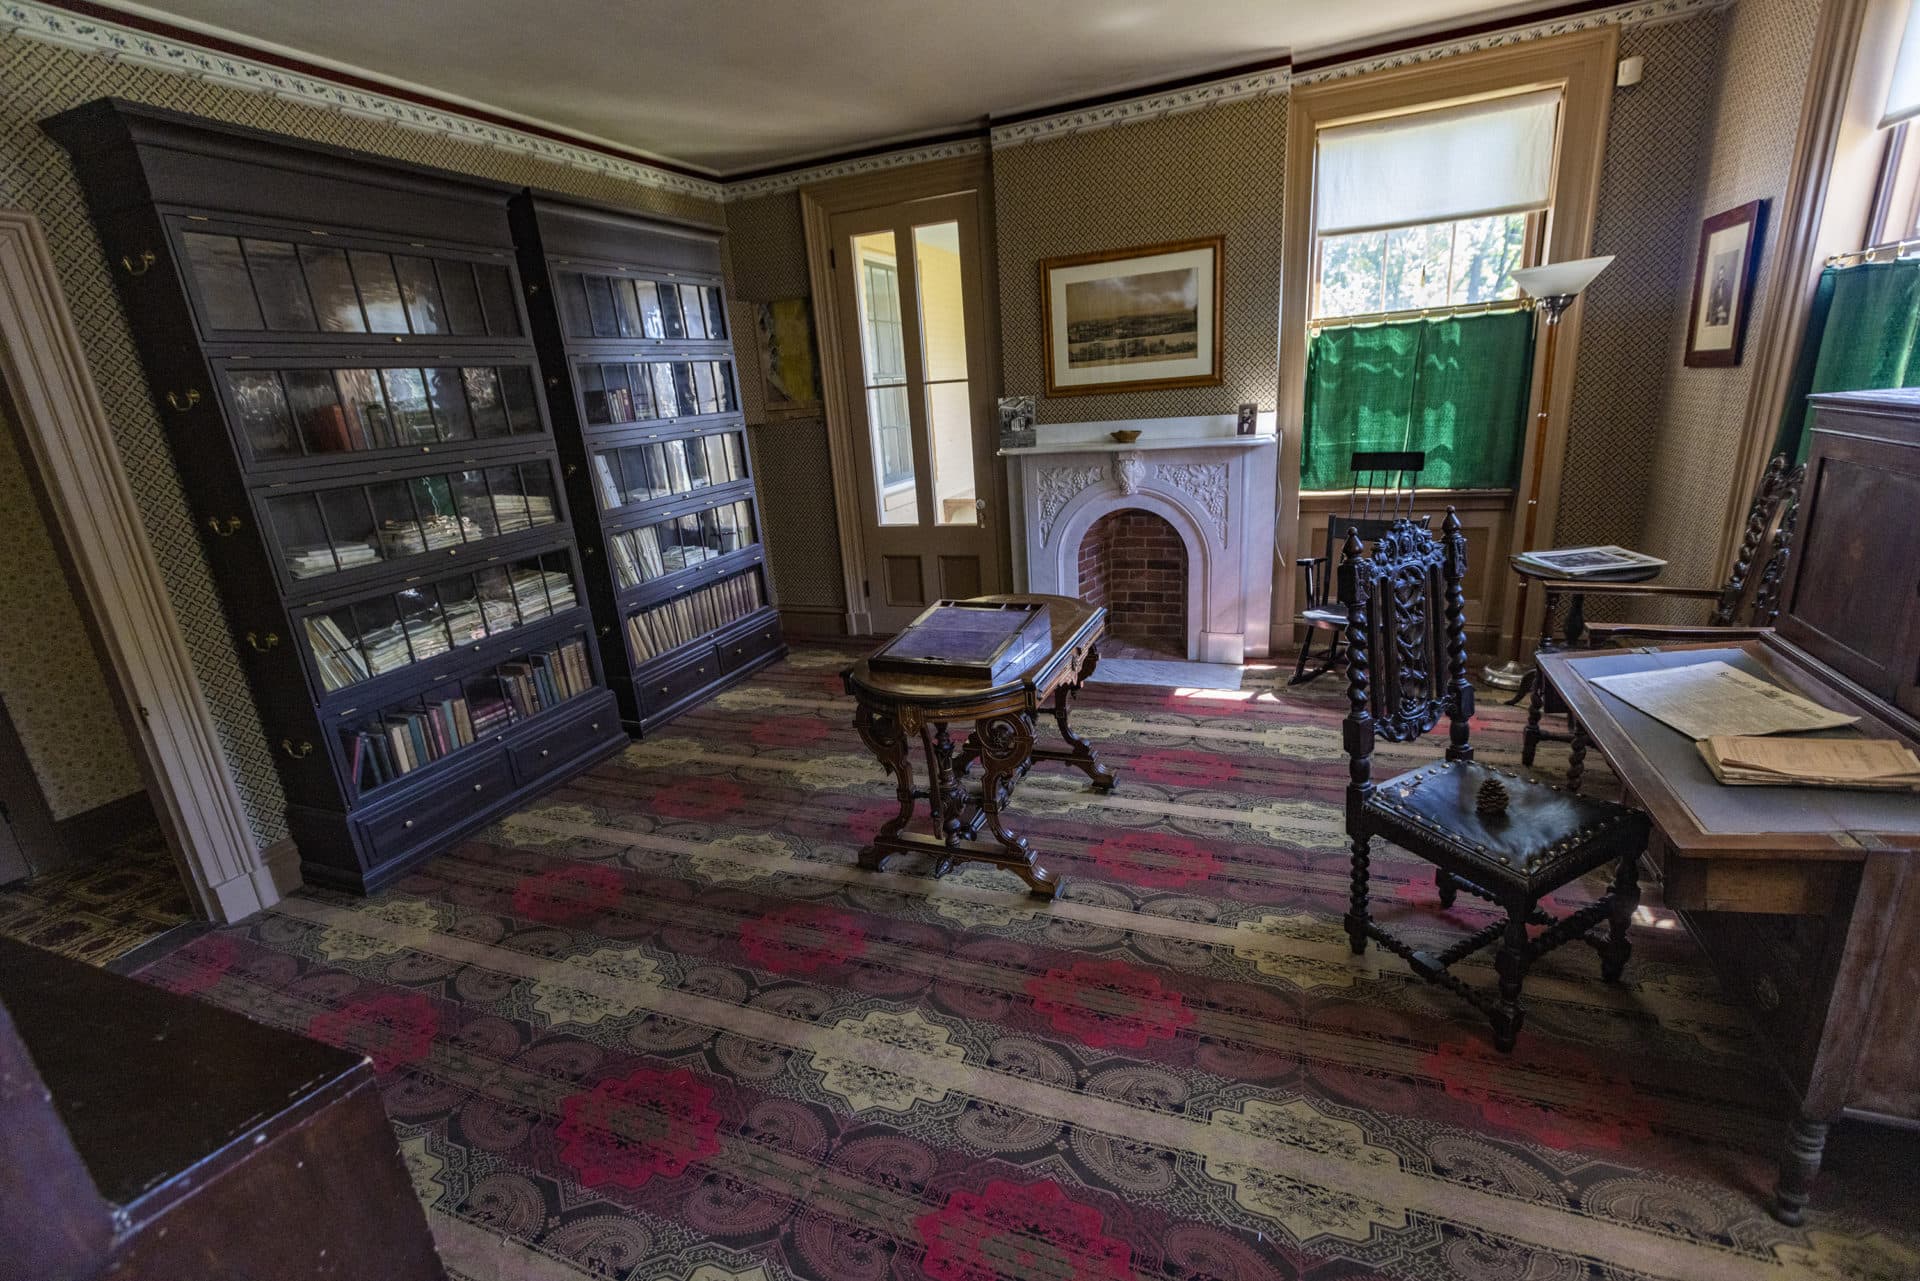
(1536, 708)
(1799, 1165)
(1357, 905)
(1306, 652)
(1576, 754)
(1448, 887)
(1622, 901)
(1510, 963)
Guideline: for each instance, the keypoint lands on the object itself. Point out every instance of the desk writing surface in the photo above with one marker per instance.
(1738, 811)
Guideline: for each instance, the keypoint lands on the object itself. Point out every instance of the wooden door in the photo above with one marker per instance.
(912, 341)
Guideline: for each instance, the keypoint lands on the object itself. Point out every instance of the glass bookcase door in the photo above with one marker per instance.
(594, 305)
(655, 630)
(293, 413)
(613, 394)
(265, 283)
(625, 475)
(680, 542)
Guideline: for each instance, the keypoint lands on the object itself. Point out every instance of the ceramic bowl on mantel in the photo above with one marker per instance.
(1125, 437)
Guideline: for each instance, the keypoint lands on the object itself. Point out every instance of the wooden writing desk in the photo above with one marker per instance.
(896, 707)
(1806, 899)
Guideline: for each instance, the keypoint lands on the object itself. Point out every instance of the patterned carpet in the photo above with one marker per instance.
(658, 1026)
(103, 908)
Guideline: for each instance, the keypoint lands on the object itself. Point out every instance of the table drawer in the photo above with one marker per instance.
(449, 800)
(747, 646)
(562, 742)
(660, 690)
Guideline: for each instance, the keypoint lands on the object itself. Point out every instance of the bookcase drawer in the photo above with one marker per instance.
(454, 797)
(741, 648)
(560, 744)
(662, 689)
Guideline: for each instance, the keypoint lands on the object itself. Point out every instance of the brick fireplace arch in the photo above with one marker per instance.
(1134, 563)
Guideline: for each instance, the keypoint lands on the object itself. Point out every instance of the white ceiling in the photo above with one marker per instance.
(727, 86)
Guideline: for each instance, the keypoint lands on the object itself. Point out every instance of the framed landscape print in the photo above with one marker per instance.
(1723, 285)
(1133, 319)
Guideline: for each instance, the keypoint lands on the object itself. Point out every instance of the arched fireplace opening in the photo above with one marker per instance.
(1135, 564)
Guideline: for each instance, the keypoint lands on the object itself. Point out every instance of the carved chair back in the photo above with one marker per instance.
(1406, 640)
(1751, 597)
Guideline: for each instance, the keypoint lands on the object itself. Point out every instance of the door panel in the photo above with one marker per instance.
(912, 343)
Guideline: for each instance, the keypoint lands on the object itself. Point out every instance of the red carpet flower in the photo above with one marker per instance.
(1556, 1098)
(1153, 860)
(1108, 1004)
(564, 895)
(802, 938)
(624, 1132)
(1020, 1230)
(394, 1029)
(790, 731)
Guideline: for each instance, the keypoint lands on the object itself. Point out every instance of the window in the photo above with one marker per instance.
(1441, 264)
(887, 366)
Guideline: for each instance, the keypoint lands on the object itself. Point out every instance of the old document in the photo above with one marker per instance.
(1712, 698)
(1876, 763)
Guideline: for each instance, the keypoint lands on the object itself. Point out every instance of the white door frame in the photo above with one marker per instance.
(69, 444)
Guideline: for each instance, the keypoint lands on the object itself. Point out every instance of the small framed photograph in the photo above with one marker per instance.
(1016, 422)
(1723, 285)
(1133, 319)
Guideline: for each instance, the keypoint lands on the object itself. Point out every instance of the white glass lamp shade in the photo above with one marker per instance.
(1560, 279)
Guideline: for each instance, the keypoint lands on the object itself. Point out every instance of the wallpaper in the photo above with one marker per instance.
(1217, 171)
(38, 80)
(1756, 117)
(57, 694)
(1647, 215)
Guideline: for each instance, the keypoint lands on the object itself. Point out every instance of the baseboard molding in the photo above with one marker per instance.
(813, 622)
(92, 831)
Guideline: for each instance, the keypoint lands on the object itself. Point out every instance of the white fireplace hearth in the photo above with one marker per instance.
(1214, 488)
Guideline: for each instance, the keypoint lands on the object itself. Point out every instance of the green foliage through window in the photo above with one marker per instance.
(1438, 265)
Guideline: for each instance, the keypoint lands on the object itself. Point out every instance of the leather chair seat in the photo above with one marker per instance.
(1546, 837)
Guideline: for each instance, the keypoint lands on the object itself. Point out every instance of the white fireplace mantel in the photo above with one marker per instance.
(1214, 488)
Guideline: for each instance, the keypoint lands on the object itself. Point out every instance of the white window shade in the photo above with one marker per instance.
(1903, 95)
(1471, 161)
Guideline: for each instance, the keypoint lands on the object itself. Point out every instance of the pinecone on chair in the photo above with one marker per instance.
(1491, 800)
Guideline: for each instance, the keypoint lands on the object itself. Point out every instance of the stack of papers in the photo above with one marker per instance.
(1581, 562)
(1876, 764)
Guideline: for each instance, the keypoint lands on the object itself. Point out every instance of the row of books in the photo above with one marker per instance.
(403, 739)
(654, 631)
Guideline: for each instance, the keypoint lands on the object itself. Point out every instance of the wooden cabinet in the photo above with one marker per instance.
(631, 323)
(349, 383)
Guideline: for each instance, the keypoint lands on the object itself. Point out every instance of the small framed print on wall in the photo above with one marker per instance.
(1723, 285)
(1133, 319)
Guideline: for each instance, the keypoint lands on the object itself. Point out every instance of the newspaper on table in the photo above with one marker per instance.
(1874, 764)
(1705, 699)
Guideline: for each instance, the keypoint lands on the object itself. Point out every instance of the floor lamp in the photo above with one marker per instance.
(1553, 289)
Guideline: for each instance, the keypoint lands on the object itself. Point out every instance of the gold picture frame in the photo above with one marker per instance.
(1109, 329)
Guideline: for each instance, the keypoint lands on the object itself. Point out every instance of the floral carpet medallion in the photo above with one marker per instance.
(659, 1026)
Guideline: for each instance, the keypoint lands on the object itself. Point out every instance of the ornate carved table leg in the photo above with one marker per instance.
(887, 740)
(1806, 1142)
(1006, 743)
(1080, 753)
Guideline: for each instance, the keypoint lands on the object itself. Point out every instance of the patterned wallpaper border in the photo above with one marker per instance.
(111, 40)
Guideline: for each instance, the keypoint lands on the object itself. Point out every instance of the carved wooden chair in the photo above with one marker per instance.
(1385, 484)
(1747, 603)
(1497, 835)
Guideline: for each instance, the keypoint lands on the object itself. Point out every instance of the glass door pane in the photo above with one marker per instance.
(884, 369)
(943, 345)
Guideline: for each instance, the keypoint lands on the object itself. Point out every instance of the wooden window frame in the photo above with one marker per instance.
(1581, 64)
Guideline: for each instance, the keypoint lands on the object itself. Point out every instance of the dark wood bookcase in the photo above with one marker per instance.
(348, 379)
(631, 323)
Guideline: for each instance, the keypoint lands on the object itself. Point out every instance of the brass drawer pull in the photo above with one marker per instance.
(225, 528)
(299, 753)
(147, 259)
(545, 753)
(263, 644)
(181, 404)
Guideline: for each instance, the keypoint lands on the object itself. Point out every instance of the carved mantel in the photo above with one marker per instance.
(1215, 488)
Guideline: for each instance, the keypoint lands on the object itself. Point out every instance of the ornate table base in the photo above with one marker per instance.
(969, 816)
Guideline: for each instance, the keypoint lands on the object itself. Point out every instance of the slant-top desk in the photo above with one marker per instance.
(897, 708)
(1806, 899)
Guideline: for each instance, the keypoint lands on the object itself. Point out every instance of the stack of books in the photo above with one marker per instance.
(546, 680)
(636, 555)
(404, 740)
(338, 658)
(654, 631)
(408, 538)
(507, 513)
(309, 562)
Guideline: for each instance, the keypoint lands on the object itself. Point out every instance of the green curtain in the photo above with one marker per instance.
(1455, 387)
(1863, 334)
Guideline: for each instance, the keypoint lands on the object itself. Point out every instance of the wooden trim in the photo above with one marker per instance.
(1211, 379)
(818, 205)
(1581, 62)
(1829, 198)
(70, 443)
